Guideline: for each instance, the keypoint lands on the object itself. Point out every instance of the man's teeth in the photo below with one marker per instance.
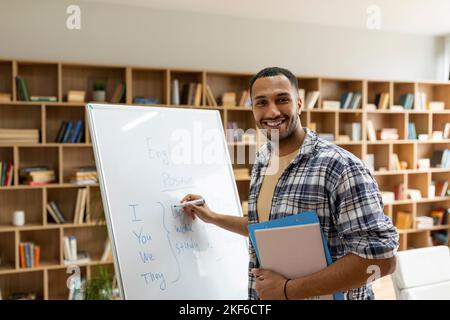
(274, 123)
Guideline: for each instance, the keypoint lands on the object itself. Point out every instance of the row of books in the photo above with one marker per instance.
(38, 175)
(70, 132)
(441, 159)
(6, 173)
(382, 100)
(71, 253)
(55, 212)
(438, 216)
(24, 93)
(29, 255)
(190, 93)
(19, 136)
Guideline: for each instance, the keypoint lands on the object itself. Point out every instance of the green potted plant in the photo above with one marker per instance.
(99, 93)
(100, 287)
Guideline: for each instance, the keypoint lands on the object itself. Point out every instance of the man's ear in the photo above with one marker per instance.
(299, 105)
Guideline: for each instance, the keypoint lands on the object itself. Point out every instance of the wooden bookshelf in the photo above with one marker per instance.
(49, 78)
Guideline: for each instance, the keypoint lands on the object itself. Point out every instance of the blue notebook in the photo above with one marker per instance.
(308, 217)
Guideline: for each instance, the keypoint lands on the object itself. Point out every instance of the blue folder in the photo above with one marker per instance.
(307, 217)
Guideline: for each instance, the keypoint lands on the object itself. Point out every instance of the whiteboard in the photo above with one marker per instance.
(147, 159)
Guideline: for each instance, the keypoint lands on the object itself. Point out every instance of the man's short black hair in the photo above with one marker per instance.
(272, 72)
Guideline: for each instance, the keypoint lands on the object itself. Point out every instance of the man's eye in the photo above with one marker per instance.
(283, 100)
(260, 103)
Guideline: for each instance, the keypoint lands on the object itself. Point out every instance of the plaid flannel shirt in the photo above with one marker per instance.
(333, 182)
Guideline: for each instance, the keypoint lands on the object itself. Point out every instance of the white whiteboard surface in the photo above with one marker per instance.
(160, 253)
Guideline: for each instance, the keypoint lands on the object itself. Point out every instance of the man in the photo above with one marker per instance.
(310, 174)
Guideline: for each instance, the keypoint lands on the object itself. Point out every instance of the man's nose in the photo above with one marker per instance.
(272, 111)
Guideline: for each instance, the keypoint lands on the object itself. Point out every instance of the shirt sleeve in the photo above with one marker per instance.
(357, 208)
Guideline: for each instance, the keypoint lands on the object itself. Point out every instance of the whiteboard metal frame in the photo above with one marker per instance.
(103, 188)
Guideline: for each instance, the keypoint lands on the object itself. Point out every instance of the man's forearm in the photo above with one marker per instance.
(232, 223)
(349, 272)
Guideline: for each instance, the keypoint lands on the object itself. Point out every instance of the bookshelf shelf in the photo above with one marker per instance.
(49, 78)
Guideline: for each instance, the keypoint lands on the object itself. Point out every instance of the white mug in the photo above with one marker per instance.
(18, 218)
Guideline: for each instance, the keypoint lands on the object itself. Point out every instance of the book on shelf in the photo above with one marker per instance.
(407, 101)
(71, 253)
(423, 163)
(146, 100)
(210, 99)
(245, 99)
(22, 89)
(38, 175)
(11, 136)
(55, 212)
(395, 163)
(76, 96)
(175, 92)
(446, 133)
(388, 134)
(403, 220)
(107, 252)
(397, 107)
(424, 222)
(331, 104)
(80, 206)
(441, 159)
(343, 138)
(5, 97)
(29, 255)
(436, 106)
(421, 101)
(371, 134)
(382, 100)
(228, 99)
(345, 100)
(118, 93)
(191, 94)
(311, 99)
(6, 173)
(353, 130)
(70, 132)
(438, 216)
(387, 197)
(441, 188)
(326, 136)
(369, 160)
(85, 176)
(43, 99)
(431, 190)
(350, 100)
(400, 191)
(412, 134)
(414, 194)
(422, 137)
(371, 107)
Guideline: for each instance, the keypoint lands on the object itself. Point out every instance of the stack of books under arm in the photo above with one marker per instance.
(85, 176)
(29, 255)
(12, 136)
(36, 176)
(71, 253)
